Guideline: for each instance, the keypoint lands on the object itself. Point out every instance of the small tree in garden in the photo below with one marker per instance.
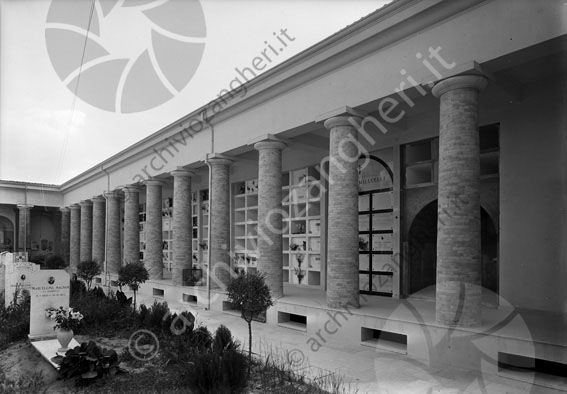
(132, 274)
(87, 270)
(249, 293)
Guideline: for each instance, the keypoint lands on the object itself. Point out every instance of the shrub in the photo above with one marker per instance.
(192, 356)
(132, 275)
(223, 340)
(97, 292)
(121, 297)
(200, 339)
(157, 317)
(249, 292)
(179, 324)
(78, 288)
(87, 270)
(181, 349)
(213, 373)
(143, 313)
(14, 321)
(103, 313)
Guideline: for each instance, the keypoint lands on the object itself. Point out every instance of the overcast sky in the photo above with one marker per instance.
(46, 136)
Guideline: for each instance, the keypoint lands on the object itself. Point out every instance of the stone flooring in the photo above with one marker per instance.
(363, 369)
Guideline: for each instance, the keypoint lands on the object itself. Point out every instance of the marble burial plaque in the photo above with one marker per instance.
(49, 289)
(17, 280)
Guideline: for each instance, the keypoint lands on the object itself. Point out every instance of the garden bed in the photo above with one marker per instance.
(20, 360)
(144, 350)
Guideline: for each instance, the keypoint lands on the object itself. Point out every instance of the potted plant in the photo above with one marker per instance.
(66, 320)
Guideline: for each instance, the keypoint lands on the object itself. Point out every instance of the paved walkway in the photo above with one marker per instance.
(365, 369)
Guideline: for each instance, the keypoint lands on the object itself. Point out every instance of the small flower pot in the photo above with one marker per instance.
(64, 337)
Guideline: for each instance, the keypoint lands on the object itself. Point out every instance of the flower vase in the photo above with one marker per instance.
(64, 337)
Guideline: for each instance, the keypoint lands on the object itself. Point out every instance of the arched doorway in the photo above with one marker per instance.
(423, 248)
(6, 234)
(422, 253)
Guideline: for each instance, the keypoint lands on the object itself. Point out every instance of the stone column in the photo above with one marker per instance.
(270, 213)
(459, 291)
(131, 224)
(56, 217)
(75, 237)
(342, 257)
(24, 227)
(112, 257)
(86, 248)
(154, 226)
(99, 229)
(65, 233)
(219, 216)
(182, 226)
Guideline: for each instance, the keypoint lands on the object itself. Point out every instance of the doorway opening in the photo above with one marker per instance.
(422, 254)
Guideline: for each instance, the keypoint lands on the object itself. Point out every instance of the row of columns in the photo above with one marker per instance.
(92, 228)
(458, 261)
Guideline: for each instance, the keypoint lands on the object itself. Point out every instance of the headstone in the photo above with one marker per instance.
(17, 280)
(6, 257)
(9, 258)
(49, 289)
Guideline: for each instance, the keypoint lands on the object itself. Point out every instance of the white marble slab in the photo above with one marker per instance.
(48, 349)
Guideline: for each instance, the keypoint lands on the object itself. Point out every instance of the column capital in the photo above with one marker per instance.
(111, 194)
(154, 182)
(75, 206)
(340, 117)
(98, 199)
(218, 159)
(182, 172)
(477, 82)
(64, 209)
(342, 121)
(270, 143)
(132, 189)
(276, 142)
(86, 203)
(24, 206)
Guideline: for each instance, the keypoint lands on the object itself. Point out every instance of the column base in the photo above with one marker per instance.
(458, 304)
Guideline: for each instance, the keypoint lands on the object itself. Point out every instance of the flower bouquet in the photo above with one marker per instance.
(65, 319)
(49, 312)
